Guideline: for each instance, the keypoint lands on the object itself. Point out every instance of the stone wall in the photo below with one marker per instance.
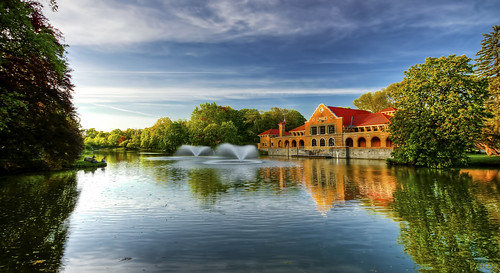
(337, 152)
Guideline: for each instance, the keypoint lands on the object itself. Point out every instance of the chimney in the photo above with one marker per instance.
(282, 128)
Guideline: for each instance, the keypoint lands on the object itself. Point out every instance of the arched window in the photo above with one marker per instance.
(331, 142)
(313, 142)
(301, 143)
(279, 144)
(294, 143)
(322, 142)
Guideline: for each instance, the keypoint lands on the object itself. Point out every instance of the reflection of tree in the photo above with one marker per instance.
(205, 183)
(443, 227)
(32, 220)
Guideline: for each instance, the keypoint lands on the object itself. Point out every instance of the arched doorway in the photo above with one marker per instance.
(361, 142)
(301, 143)
(279, 144)
(322, 142)
(313, 142)
(294, 143)
(375, 142)
(331, 142)
(287, 144)
(349, 142)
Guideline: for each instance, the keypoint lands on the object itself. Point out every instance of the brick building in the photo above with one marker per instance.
(333, 127)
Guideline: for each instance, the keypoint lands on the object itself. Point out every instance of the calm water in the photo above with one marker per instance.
(150, 213)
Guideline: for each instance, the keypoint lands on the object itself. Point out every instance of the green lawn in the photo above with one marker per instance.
(480, 160)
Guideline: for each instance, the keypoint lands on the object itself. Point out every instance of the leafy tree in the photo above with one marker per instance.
(38, 123)
(249, 132)
(275, 115)
(114, 138)
(373, 102)
(206, 120)
(488, 66)
(229, 132)
(176, 135)
(440, 112)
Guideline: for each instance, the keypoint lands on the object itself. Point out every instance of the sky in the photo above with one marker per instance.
(135, 61)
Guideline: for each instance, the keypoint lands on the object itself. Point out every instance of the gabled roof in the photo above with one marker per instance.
(300, 128)
(370, 119)
(355, 117)
(273, 132)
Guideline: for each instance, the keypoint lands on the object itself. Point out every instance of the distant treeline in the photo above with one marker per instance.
(209, 125)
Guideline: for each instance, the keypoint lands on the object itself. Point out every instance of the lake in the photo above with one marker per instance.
(153, 213)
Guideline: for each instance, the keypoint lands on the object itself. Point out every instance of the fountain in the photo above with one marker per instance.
(235, 154)
(189, 150)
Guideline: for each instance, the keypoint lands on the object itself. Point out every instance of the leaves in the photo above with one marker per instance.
(38, 120)
(440, 112)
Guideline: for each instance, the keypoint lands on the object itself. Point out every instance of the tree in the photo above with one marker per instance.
(275, 115)
(488, 66)
(373, 102)
(39, 126)
(440, 112)
(176, 135)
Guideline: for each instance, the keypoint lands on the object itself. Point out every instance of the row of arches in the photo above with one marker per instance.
(362, 142)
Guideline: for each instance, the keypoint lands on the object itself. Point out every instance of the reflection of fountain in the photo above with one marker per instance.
(237, 152)
(189, 150)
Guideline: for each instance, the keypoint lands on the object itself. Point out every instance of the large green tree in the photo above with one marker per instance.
(39, 126)
(488, 66)
(373, 102)
(440, 112)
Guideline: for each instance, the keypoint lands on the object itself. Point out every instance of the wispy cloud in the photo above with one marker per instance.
(124, 110)
(112, 22)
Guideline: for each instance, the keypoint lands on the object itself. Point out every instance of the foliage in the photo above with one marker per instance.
(488, 66)
(373, 102)
(210, 125)
(38, 122)
(275, 115)
(440, 112)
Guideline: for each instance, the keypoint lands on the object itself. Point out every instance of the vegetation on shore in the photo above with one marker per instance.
(39, 127)
(209, 125)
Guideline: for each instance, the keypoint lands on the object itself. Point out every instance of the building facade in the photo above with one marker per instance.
(332, 128)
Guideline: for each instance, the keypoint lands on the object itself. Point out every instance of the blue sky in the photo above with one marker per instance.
(135, 61)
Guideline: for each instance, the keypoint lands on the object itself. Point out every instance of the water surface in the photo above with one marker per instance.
(153, 213)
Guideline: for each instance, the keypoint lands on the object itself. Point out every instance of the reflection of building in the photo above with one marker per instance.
(331, 128)
(330, 183)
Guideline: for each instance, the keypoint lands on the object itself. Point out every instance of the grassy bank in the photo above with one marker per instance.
(80, 164)
(482, 160)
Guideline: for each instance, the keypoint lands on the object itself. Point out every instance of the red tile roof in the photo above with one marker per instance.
(275, 132)
(355, 117)
(300, 128)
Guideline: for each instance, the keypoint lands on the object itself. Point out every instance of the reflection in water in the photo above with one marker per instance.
(444, 226)
(154, 213)
(332, 182)
(34, 209)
